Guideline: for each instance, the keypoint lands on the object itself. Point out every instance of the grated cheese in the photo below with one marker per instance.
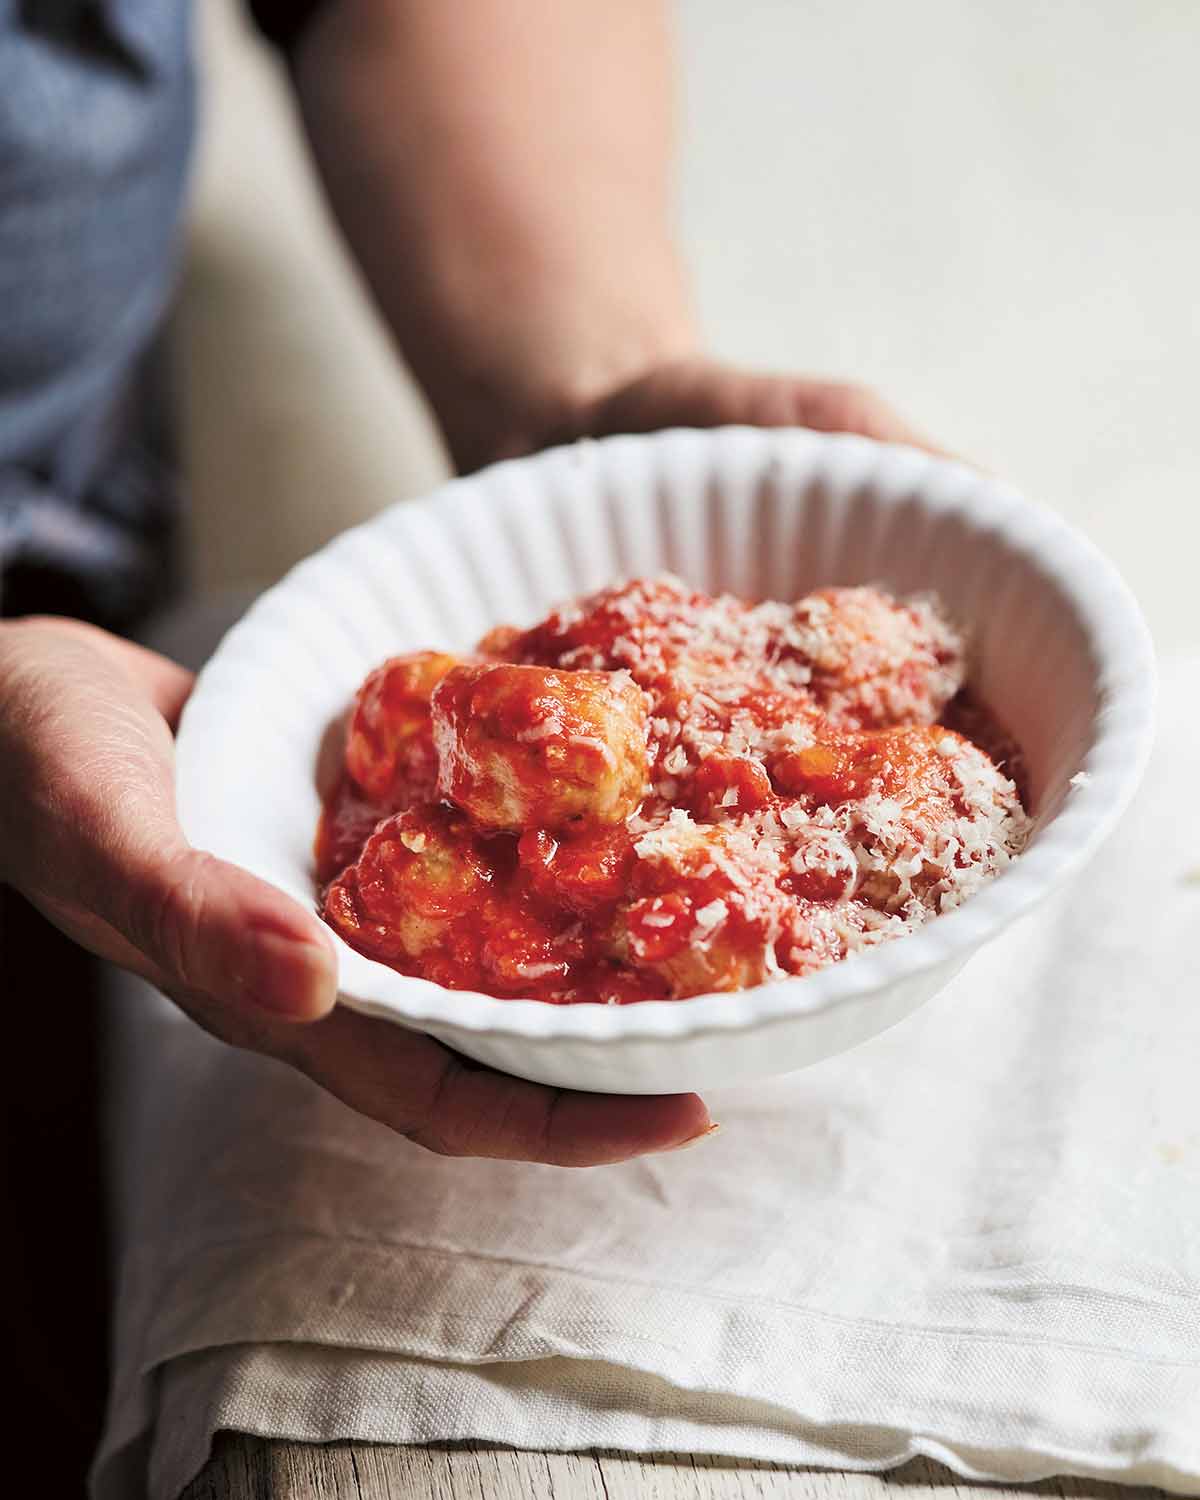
(729, 681)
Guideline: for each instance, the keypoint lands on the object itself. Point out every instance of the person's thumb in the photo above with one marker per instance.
(708, 393)
(211, 927)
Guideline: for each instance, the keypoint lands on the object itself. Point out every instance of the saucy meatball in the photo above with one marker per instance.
(920, 805)
(705, 917)
(528, 747)
(643, 625)
(389, 741)
(419, 878)
(874, 661)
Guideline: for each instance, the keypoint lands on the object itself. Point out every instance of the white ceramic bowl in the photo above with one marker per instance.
(1059, 651)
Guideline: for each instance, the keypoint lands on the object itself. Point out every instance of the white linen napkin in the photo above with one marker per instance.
(976, 1238)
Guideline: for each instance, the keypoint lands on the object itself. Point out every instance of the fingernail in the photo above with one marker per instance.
(693, 1140)
(290, 978)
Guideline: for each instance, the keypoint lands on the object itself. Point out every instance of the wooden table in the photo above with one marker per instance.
(247, 1468)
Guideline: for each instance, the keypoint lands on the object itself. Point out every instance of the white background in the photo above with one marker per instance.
(988, 210)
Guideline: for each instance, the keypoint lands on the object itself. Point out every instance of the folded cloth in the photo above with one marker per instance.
(976, 1238)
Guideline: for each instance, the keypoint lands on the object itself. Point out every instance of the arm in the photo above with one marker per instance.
(499, 246)
(502, 171)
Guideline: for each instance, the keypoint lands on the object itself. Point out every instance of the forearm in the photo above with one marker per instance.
(502, 172)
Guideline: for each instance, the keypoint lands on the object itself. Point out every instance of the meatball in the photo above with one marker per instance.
(389, 742)
(905, 765)
(726, 785)
(528, 747)
(643, 625)
(873, 661)
(706, 914)
(418, 881)
(924, 810)
(581, 875)
(347, 821)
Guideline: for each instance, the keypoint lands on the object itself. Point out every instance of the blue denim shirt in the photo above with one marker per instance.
(96, 120)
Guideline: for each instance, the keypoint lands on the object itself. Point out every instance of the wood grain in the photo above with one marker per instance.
(248, 1468)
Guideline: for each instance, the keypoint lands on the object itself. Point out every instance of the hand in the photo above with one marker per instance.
(687, 391)
(88, 834)
(697, 392)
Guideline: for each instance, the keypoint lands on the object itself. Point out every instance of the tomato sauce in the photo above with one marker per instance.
(655, 793)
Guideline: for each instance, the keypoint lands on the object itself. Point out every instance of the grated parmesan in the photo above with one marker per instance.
(806, 790)
(729, 681)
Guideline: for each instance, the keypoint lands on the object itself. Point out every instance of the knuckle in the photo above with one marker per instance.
(548, 1129)
(448, 1121)
(169, 916)
(768, 401)
(858, 408)
(471, 1114)
(429, 1140)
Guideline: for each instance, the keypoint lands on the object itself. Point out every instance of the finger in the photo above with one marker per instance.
(163, 681)
(704, 393)
(210, 926)
(426, 1092)
(485, 1113)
